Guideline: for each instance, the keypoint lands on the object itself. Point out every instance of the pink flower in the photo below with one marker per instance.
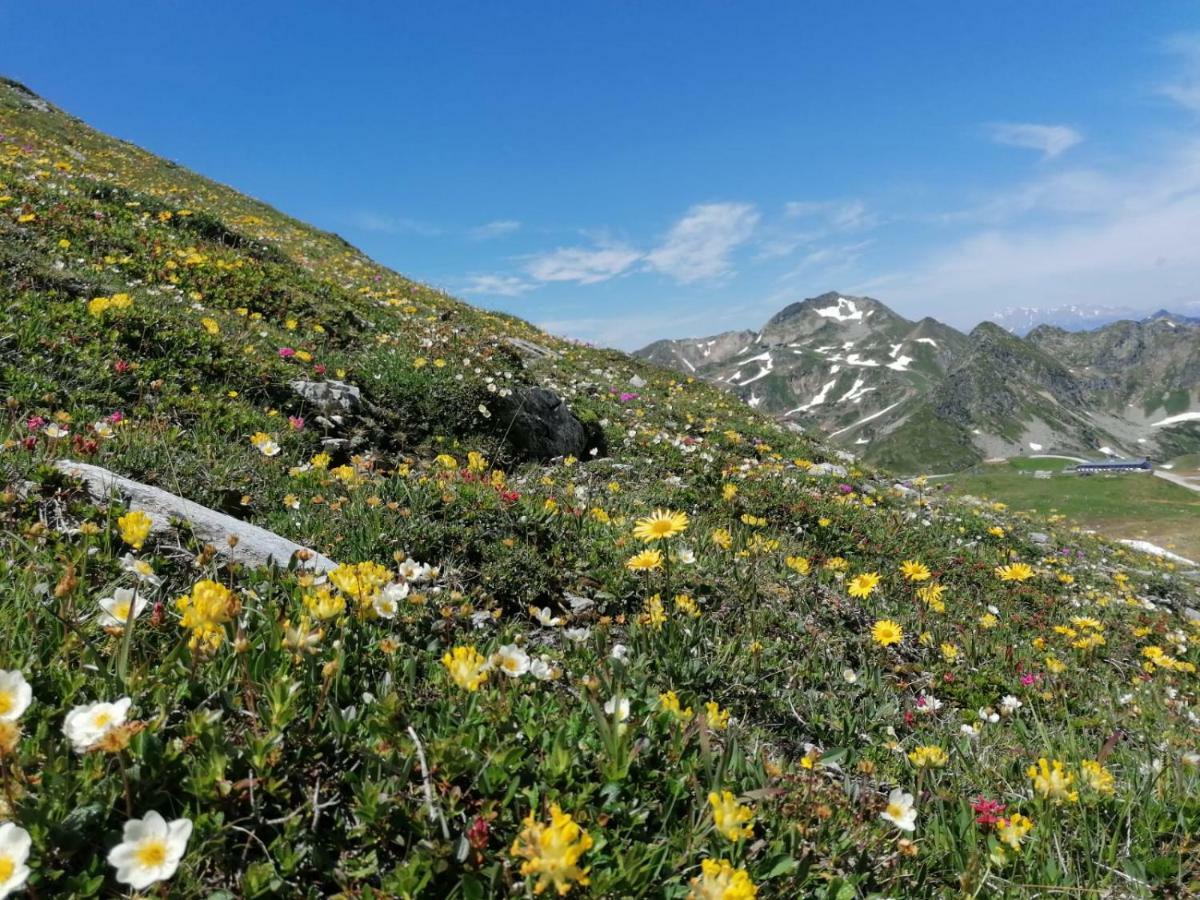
(297, 422)
(319, 368)
(116, 417)
(1030, 678)
(286, 352)
(35, 422)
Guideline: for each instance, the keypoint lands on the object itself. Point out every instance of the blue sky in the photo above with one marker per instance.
(621, 172)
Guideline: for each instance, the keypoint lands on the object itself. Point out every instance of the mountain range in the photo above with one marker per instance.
(1081, 317)
(922, 396)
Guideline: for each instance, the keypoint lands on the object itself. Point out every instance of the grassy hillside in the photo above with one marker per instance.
(1120, 506)
(813, 685)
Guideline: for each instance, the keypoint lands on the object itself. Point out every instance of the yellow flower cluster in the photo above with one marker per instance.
(135, 528)
(733, 819)
(98, 306)
(552, 851)
(205, 611)
(719, 880)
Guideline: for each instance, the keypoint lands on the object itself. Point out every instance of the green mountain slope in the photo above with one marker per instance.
(562, 702)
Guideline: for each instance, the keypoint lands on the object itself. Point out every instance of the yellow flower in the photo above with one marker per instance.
(914, 571)
(949, 652)
(645, 561)
(930, 756)
(1012, 830)
(987, 620)
(1052, 781)
(863, 585)
(931, 596)
(1054, 665)
(722, 538)
(885, 632)
(653, 613)
(836, 564)
(729, 491)
(670, 702)
(360, 581)
(753, 521)
(798, 564)
(660, 525)
(1098, 778)
(211, 325)
(687, 606)
(467, 666)
(205, 610)
(719, 880)
(732, 819)
(1014, 572)
(551, 851)
(717, 718)
(324, 603)
(135, 528)
(476, 461)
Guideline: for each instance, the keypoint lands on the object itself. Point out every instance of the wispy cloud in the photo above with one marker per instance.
(497, 286)
(366, 220)
(700, 245)
(496, 229)
(1185, 88)
(1049, 140)
(839, 215)
(583, 265)
(1135, 242)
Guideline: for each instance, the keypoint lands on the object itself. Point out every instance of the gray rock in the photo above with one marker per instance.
(530, 350)
(1039, 538)
(637, 381)
(329, 397)
(827, 469)
(540, 425)
(254, 547)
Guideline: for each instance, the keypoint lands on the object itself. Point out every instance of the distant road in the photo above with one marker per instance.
(1179, 480)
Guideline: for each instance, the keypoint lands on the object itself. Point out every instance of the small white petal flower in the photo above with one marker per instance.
(541, 669)
(511, 660)
(15, 695)
(85, 725)
(141, 569)
(14, 851)
(115, 609)
(618, 705)
(151, 850)
(578, 635)
(900, 811)
(545, 617)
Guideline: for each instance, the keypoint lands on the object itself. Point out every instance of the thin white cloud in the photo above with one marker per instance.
(839, 215)
(700, 245)
(366, 220)
(583, 265)
(1185, 88)
(498, 285)
(1131, 243)
(496, 229)
(1049, 140)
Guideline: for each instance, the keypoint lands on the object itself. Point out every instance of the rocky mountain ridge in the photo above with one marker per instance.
(920, 396)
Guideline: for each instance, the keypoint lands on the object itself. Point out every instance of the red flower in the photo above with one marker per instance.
(987, 812)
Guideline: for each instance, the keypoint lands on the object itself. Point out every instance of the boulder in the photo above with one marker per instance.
(827, 469)
(530, 350)
(539, 425)
(637, 381)
(329, 397)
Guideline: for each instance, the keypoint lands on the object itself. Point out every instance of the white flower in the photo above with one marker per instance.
(544, 616)
(14, 851)
(541, 669)
(989, 715)
(1190, 759)
(685, 555)
(849, 676)
(15, 695)
(1009, 705)
(102, 429)
(900, 810)
(928, 704)
(151, 850)
(115, 609)
(618, 705)
(86, 725)
(268, 447)
(969, 731)
(54, 432)
(578, 635)
(387, 601)
(511, 660)
(140, 569)
(619, 652)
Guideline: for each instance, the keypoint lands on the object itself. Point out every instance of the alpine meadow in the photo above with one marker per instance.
(316, 581)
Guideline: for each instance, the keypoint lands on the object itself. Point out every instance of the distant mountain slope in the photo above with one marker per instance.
(921, 395)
